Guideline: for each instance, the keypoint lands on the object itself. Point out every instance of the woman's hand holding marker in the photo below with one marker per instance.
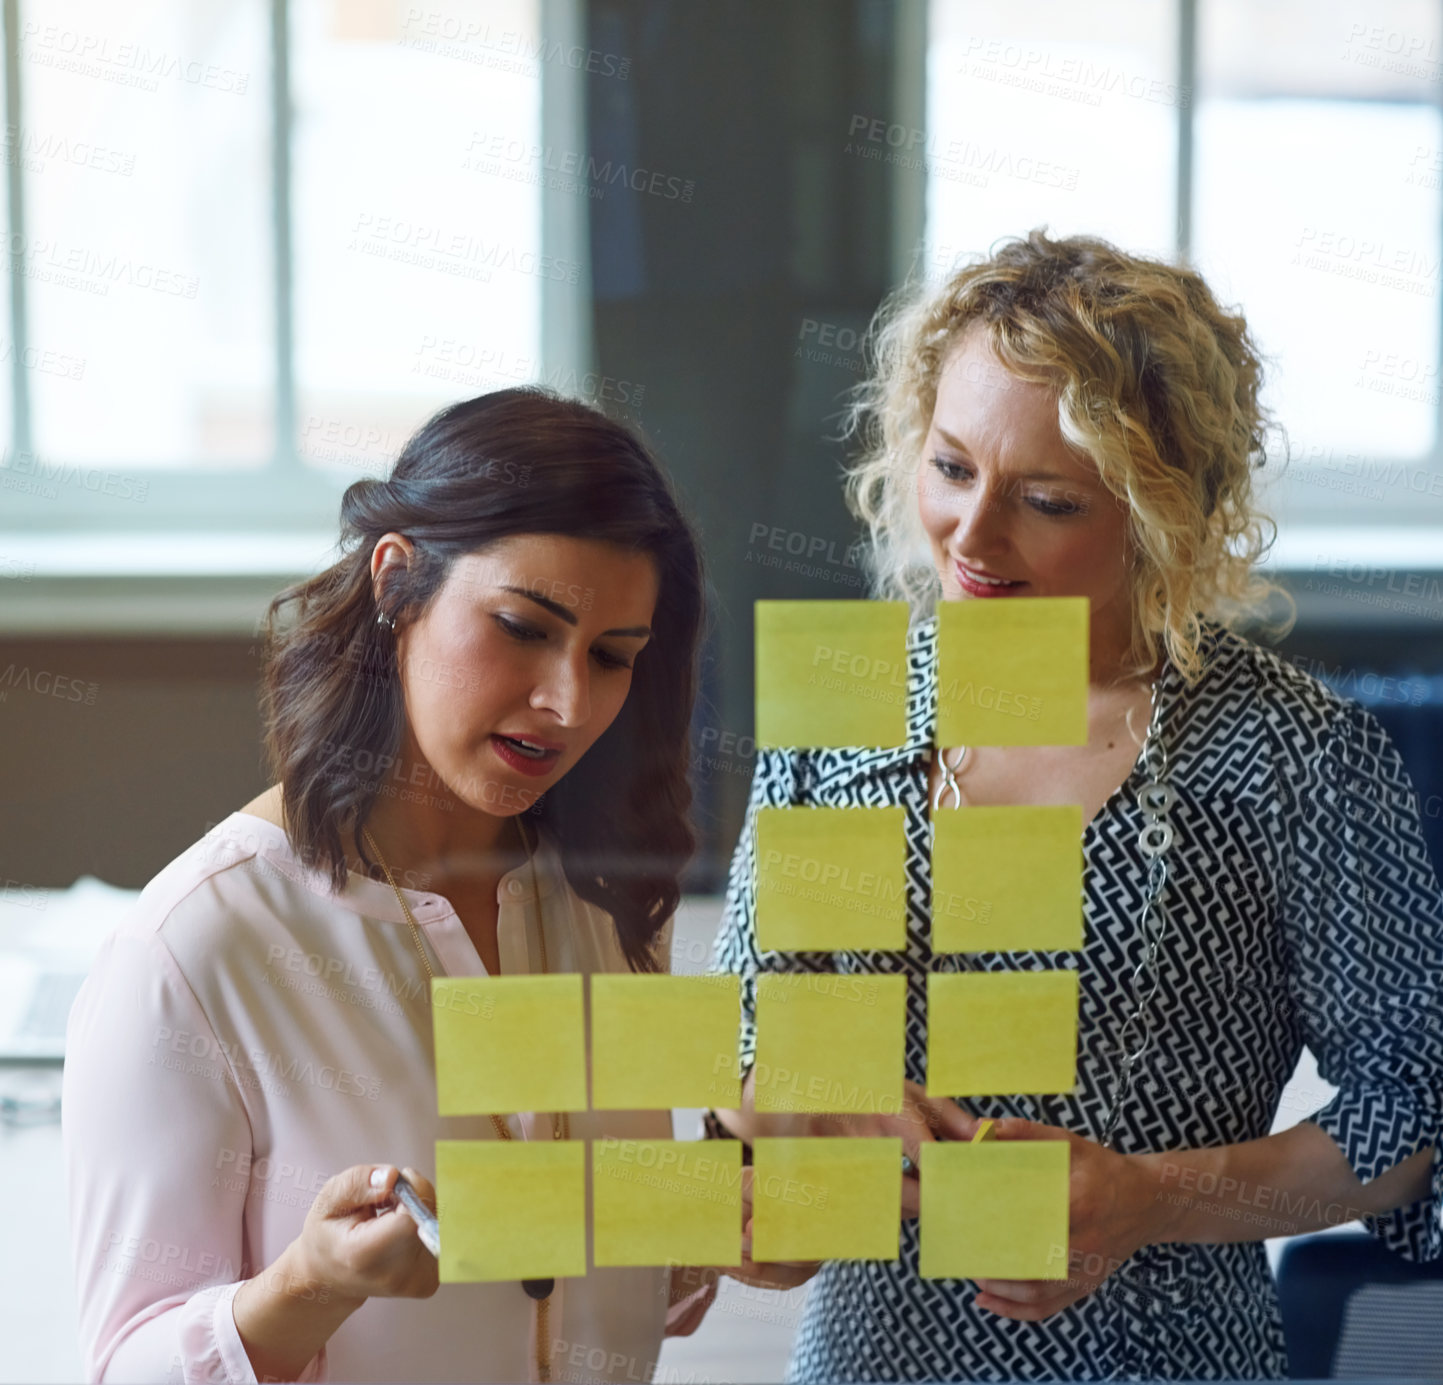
(359, 1239)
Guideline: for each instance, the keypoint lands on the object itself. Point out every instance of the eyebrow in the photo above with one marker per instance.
(639, 632)
(960, 446)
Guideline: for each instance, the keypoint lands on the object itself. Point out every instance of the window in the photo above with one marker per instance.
(417, 244)
(1317, 207)
(1291, 149)
(1051, 113)
(256, 243)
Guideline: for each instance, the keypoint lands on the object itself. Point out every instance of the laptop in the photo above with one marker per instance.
(48, 940)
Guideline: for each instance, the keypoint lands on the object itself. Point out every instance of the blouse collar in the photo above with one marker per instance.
(376, 899)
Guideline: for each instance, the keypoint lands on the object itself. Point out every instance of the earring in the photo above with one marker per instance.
(383, 619)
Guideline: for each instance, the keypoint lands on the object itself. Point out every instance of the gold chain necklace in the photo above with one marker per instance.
(538, 1289)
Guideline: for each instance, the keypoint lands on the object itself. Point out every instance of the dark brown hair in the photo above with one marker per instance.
(518, 461)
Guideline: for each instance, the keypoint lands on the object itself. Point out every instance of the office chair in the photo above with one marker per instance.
(1352, 1308)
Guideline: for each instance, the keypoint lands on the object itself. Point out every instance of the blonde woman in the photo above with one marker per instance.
(1066, 419)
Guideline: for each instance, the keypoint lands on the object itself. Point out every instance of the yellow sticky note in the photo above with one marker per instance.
(831, 673)
(1001, 1033)
(823, 1198)
(511, 1209)
(994, 1210)
(508, 1043)
(831, 879)
(1006, 878)
(1012, 671)
(661, 1041)
(661, 1202)
(830, 1042)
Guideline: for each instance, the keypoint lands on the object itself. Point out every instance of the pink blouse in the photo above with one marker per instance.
(246, 1033)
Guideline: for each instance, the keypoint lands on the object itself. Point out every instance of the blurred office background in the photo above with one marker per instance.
(252, 244)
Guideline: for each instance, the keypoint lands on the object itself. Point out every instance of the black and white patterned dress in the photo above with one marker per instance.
(1302, 909)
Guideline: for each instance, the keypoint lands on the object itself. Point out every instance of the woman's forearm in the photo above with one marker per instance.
(1282, 1185)
(746, 1122)
(285, 1316)
(1287, 1184)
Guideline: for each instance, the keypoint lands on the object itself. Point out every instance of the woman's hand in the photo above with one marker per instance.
(770, 1274)
(352, 1246)
(1113, 1209)
(360, 1241)
(691, 1292)
(921, 1120)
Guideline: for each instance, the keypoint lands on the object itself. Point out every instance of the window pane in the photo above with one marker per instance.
(1383, 49)
(1053, 113)
(1318, 160)
(147, 249)
(417, 217)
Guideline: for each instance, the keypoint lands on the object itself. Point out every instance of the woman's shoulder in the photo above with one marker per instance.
(1250, 695)
(174, 954)
(1283, 682)
(225, 846)
(216, 892)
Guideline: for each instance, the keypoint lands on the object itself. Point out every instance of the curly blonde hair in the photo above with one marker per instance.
(1154, 381)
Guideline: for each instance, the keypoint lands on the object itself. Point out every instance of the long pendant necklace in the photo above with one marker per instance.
(538, 1289)
(1155, 797)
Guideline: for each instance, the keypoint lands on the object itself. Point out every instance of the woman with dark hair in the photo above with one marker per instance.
(478, 722)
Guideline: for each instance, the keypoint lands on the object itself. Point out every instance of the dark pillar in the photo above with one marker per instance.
(733, 277)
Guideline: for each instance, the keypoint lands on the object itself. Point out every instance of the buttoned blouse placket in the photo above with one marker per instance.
(518, 917)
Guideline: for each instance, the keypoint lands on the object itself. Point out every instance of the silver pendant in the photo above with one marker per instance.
(949, 782)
